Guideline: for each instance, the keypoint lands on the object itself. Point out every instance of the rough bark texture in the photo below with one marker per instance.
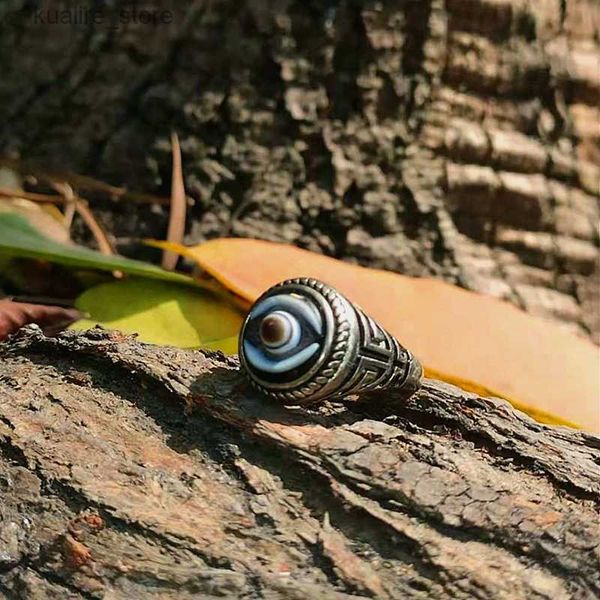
(133, 471)
(454, 138)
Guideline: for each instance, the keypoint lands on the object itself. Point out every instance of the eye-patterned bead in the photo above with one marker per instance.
(303, 341)
(276, 329)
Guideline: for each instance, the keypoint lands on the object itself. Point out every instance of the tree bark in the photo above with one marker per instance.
(452, 138)
(136, 471)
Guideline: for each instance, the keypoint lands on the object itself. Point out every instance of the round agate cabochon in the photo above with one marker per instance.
(285, 334)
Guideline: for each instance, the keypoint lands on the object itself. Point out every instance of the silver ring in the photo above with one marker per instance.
(302, 341)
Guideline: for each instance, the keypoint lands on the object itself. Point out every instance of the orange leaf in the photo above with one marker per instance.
(477, 342)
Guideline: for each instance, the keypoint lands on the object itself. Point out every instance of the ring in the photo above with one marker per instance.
(302, 341)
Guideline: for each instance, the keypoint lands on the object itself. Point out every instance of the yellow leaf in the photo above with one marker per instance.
(163, 313)
(46, 218)
(475, 341)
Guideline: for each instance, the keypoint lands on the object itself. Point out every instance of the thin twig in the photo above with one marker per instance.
(176, 227)
(69, 214)
(84, 211)
(43, 198)
(82, 182)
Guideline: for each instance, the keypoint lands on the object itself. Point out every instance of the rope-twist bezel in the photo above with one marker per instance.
(339, 346)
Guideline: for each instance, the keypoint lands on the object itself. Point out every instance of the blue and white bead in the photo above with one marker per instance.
(281, 335)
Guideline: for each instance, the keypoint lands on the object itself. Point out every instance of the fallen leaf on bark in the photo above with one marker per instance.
(477, 342)
(14, 315)
(161, 312)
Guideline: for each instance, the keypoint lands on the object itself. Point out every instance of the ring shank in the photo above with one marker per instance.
(379, 360)
(412, 383)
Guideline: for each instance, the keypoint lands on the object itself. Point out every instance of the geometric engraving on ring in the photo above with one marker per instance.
(381, 361)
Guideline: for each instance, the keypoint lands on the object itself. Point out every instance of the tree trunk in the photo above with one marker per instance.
(136, 471)
(454, 138)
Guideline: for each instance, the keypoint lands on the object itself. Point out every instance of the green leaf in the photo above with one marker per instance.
(19, 238)
(163, 313)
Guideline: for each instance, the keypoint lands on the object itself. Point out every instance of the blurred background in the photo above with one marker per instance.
(457, 139)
